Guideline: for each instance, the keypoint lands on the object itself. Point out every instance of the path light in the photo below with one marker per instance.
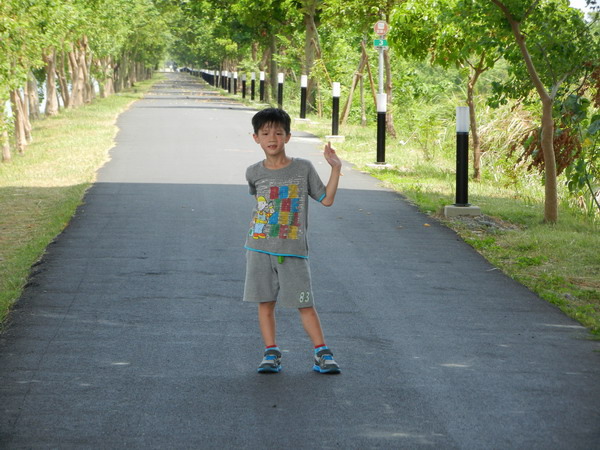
(335, 116)
(381, 116)
(262, 86)
(303, 92)
(462, 207)
(462, 156)
(280, 90)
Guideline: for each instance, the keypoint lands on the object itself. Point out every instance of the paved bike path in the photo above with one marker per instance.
(132, 332)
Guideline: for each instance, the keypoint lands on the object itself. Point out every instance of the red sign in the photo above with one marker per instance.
(381, 28)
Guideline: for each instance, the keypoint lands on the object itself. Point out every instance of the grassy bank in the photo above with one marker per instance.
(561, 262)
(39, 191)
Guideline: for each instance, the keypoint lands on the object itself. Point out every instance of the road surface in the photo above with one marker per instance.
(132, 332)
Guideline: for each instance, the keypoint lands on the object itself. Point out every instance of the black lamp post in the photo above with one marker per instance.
(462, 156)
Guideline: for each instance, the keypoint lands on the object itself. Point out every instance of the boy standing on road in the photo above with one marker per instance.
(277, 266)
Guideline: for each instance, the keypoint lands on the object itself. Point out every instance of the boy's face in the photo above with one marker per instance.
(272, 139)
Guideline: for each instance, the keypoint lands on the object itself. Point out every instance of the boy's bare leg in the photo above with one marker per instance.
(266, 321)
(312, 325)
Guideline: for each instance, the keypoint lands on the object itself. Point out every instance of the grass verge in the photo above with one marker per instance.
(560, 262)
(39, 191)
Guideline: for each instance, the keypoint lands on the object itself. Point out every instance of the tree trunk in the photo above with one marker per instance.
(273, 69)
(254, 49)
(310, 39)
(18, 117)
(123, 77)
(389, 117)
(357, 75)
(77, 78)
(473, 77)
(51, 99)
(109, 73)
(33, 101)
(62, 80)
(84, 63)
(132, 72)
(363, 110)
(4, 140)
(105, 83)
(24, 111)
(262, 66)
(551, 182)
(118, 77)
(547, 144)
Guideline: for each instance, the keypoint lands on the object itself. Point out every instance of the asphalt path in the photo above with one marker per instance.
(132, 332)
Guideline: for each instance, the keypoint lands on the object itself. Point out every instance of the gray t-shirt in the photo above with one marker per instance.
(280, 217)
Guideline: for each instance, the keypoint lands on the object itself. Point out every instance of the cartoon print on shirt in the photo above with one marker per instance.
(264, 211)
(279, 216)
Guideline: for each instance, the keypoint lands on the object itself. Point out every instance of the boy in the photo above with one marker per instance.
(277, 251)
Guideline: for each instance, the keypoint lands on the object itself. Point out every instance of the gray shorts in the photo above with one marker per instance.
(288, 283)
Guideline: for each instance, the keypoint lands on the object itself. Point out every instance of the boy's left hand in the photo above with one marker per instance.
(331, 157)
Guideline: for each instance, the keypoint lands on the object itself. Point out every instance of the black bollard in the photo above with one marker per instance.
(381, 113)
(335, 116)
(462, 156)
(303, 92)
(262, 86)
(280, 90)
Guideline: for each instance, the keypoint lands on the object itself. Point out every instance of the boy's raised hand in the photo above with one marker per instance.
(331, 157)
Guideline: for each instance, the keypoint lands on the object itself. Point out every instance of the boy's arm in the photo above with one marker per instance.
(334, 178)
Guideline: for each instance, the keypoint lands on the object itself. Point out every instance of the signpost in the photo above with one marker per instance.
(381, 29)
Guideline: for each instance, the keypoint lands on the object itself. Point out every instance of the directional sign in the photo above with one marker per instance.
(380, 43)
(381, 28)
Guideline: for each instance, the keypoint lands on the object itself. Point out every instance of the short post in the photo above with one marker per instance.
(262, 86)
(462, 156)
(280, 90)
(230, 82)
(381, 29)
(252, 86)
(244, 86)
(462, 207)
(235, 82)
(381, 116)
(335, 115)
(303, 91)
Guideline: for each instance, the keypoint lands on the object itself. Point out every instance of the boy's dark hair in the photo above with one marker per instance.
(272, 116)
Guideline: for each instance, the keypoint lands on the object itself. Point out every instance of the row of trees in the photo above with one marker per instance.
(72, 46)
(551, 50)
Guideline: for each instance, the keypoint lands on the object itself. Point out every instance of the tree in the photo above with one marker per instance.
(451, 33)
(554, 49)
(20, 51)
(68, 38)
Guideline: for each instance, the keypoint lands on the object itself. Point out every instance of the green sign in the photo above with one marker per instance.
(380, 43)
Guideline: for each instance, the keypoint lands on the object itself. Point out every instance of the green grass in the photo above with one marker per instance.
(560, 262)
(40, 190)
